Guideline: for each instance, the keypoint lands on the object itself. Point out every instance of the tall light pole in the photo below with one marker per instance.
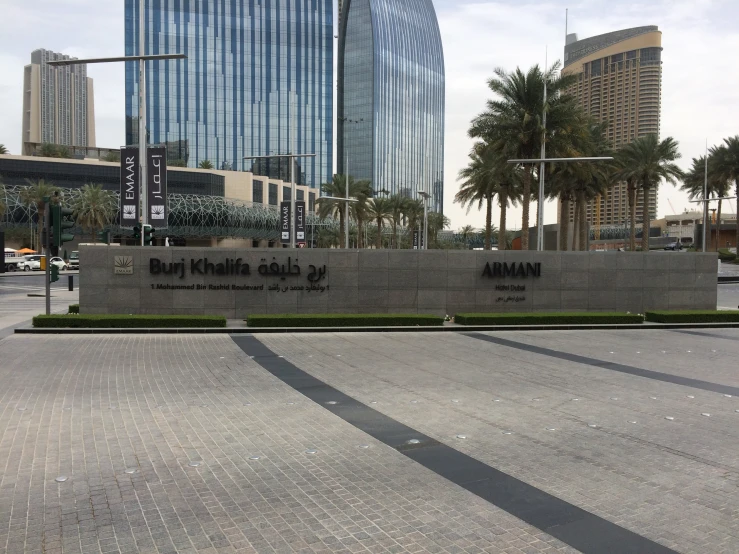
(142, 59)
(705, 200)
(426, 196)
(291, 157)
(346, 120)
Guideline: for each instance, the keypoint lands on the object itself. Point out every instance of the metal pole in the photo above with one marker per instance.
(47, 249)
(705, 199)
(540, 222)
(293, 230)
(346, 206)
(425, 223)
(142, 120)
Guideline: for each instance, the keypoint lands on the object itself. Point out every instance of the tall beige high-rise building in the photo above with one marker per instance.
(58, 103)
(620, 81)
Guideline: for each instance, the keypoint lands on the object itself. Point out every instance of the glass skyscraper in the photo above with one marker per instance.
(391, 96)
(255, 70)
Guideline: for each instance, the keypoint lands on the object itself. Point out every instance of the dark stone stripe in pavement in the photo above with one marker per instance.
(603, 364)
(572, 525)
(708, 335)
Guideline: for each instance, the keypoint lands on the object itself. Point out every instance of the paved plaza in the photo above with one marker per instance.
(596, 441)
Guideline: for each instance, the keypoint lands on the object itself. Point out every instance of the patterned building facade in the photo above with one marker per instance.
(620, 81)
(58, 102)
(258, 80)
(391, 96)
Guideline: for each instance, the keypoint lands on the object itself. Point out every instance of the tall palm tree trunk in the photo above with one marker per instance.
(646, 217)
(342, 224)
(527, 177)
(632, 217)
(737, 218)
(718, 227)
(378, 243)
(488, 221)
(502, 239)
(584, 227)
(564, 224)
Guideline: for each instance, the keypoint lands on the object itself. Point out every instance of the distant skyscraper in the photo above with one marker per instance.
(254, 70)
(391, 96)
(58, 104)
(620, 81)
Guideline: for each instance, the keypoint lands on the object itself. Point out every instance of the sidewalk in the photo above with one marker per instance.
(17, 310)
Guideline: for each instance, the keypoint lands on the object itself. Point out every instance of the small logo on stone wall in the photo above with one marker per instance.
(123, 265)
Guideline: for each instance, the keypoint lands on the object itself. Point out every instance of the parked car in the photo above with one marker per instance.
(59, 263)
(32, 262)
(674, 246)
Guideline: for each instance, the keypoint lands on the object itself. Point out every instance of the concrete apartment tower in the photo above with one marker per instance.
(58, 103)
(620, 81)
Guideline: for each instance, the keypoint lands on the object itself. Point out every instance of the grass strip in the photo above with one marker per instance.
(693, 316)
(344, 320)
(553, 318)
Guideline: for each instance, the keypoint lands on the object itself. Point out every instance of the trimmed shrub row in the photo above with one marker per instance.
(554, 318)
(74, 309)
(725, 255)
(127, 321)
(344, 320)
(694, 316)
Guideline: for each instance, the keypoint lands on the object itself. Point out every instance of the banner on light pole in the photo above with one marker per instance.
(300, 222)
(130, 188)
(285, 222)
(157, 189)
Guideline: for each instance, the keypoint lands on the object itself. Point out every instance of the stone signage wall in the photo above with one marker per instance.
(160, 280)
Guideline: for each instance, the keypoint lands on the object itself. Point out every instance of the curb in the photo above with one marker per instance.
(444, 329)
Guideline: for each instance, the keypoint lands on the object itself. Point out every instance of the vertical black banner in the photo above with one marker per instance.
(415, 239)
(156, 179)
(300, 222)
(130, 188)
(285, 222)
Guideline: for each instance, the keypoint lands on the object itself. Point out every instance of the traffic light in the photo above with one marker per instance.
(137, 234)
(59, 225)
(54, 273)
(148, 235)
(103, 236)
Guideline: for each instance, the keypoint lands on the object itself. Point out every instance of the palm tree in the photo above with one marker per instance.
(205, 164)
(176, 163)
(3, 150)
(413, 214)
(436, 222)
(328, 237)
(34, 195)
(727, 168)
(380, 211)
(486, 176)
(94, 208)
(467, 232)
(649, 161)
(397, 207)
(694, 182)
(361, 191)
(334, 206)
(513, 122)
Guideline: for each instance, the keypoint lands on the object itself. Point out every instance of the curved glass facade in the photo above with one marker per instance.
(391, 96)
(255, 69)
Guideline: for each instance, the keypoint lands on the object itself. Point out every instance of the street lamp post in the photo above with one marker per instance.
(426, 196)
(291, 157)
(142, 59)
(346, 176)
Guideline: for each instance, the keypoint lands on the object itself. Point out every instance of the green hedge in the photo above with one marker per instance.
(74, 309)
(694, 316)
(725, 255)
(553, 318)
(343, 320)
(127, 321)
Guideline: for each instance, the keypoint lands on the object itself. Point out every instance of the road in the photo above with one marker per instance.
(33, 282)
(521, 442)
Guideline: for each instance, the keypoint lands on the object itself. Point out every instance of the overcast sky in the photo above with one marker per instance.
(700, 69)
